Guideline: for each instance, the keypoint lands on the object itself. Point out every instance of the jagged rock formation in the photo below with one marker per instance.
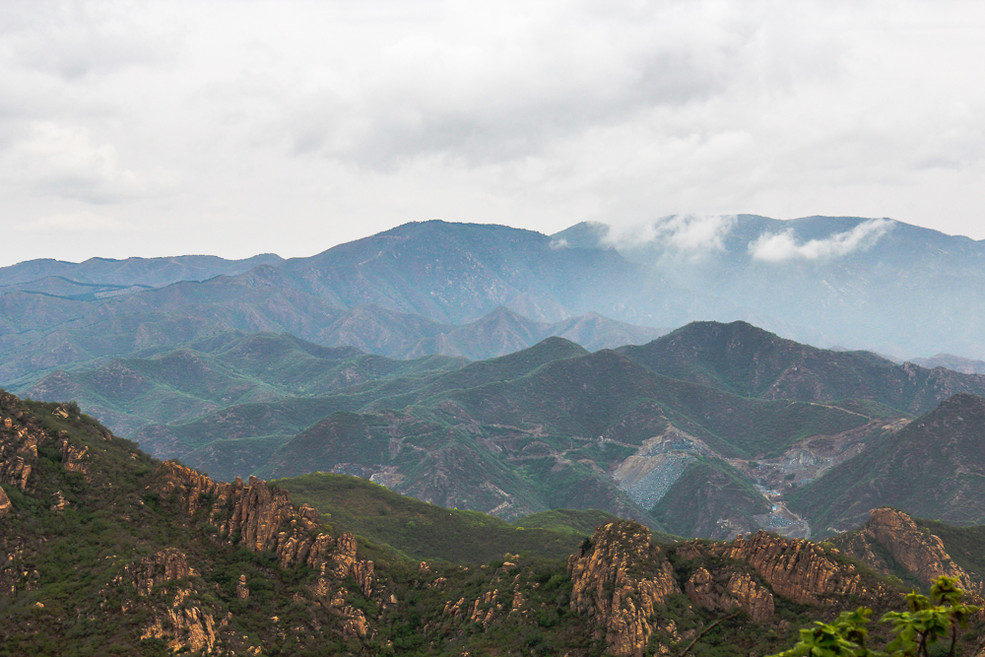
(183, 623)
(263, 519)
(59, 469)
(620, 583)
(5, 504)
(19, 449)
(740, 590)
(793, 568)
(891, 541)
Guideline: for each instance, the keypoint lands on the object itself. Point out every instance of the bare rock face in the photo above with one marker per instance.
(793, 568)
(184, 626)
(74, 457)
(920, 553)
(5, 504)
(262, 518)
(242, 590)
(182, 623)
(620, 583)
(157, 570)
(738, 590)
(19, 439)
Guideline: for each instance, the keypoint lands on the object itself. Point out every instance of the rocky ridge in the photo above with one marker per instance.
(262, 518)
(157, 558)
(891, 542)
(59, 469)
(622, 583)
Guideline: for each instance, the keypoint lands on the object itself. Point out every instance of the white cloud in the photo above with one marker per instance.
(778, 247)
(686, 233)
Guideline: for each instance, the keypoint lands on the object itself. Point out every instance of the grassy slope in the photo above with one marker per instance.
(709, 491)
(423, 531)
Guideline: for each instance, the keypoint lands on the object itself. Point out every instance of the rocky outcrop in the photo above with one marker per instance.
(257, 516)
(739, 590)
(260, 517)
(5, 504)
(793, 568)
(500, 600)
(74, 457)
(20, 436)
(169, 565)
(619, 584)
(892, 533)
(184, 623)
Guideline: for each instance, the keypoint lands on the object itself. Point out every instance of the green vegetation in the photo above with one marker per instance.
(964, 544)
(932, 468)
(423, 531)
(710, 498)
(940, 618)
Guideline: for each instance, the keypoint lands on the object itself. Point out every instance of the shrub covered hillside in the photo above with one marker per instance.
(108, 551)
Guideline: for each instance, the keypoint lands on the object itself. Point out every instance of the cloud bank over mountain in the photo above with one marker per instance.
(778, 247)
(193, 127)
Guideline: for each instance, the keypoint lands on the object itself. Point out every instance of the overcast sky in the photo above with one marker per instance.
(234, 128)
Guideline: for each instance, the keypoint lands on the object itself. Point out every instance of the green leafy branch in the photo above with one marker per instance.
(928, 620)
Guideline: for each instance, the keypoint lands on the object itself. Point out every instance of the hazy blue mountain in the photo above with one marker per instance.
(440, 287)
(96, 273)
(952, 362)
(876, 284)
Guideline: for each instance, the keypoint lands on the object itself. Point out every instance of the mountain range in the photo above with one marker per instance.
(422, 288)
(711, 430)
(356, 361)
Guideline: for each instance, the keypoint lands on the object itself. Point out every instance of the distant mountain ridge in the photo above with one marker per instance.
(422, 287)
(720, 420)
(749, 361)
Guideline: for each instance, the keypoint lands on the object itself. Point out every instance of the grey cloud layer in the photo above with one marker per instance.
(175, 122)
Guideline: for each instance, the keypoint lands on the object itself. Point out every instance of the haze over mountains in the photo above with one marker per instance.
(875, 284)
(356, 360)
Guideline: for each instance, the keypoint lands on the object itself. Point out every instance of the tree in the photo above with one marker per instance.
(927, 621)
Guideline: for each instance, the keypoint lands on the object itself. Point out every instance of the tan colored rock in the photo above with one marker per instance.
(60, 501)
(620, 584)
(264, 519)
(184, 626)
(242, 590)
(73, 457)
(168, 565)
(6, 506)
(794, 568)
(920, 553)
(738, 591)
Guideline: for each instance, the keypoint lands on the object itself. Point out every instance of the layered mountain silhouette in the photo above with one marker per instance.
(355, 360)
(713, 429)
(877, 284)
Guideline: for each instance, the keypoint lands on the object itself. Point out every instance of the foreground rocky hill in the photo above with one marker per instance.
(109, 551)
